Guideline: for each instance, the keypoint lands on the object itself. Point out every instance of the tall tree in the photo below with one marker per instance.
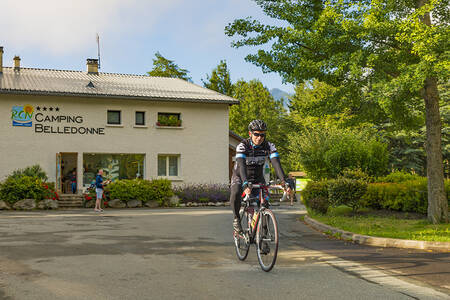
(256, 102)
(387, 49)
(220, 80)
(164, 67)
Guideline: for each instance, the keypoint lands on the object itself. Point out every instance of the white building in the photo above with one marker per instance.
(129, 125)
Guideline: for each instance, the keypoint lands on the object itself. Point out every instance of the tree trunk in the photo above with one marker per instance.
(437, 200)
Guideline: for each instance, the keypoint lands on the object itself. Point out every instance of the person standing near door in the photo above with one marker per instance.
(73, 181)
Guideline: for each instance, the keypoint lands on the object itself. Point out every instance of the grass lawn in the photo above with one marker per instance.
(384, 223)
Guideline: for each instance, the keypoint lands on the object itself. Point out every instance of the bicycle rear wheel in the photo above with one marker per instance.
(267, 240)
(241, 240)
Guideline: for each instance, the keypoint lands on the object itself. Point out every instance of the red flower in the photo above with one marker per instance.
(106, 203)
(54, 198)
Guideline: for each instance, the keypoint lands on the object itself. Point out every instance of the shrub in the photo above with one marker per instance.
(398, 176)
(319, 205)
(408, 196)
(325, 152)
(203, 193)
(347, 192)
(159, 190)
(357, 174)
(16, 188)
(315, 189)
(33, 171)
(127, 190)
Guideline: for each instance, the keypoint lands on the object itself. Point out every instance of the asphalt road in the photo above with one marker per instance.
(189, 254)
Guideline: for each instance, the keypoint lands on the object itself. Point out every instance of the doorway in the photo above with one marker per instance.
(66, 172)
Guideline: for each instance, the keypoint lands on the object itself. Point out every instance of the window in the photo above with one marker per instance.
(115, 166)
(169, 119)
(140, 118)
(114, 117)
(168, 165)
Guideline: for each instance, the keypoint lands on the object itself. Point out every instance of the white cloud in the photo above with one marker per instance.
(65, 27)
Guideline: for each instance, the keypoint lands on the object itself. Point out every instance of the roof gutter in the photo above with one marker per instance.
(162, 99)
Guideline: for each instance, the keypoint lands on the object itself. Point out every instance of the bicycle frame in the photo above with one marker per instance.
(256, 210)
(257, 230)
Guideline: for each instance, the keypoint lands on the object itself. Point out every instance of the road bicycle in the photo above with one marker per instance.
(259, 226)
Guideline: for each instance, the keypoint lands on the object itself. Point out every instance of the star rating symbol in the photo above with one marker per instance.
(39, 108)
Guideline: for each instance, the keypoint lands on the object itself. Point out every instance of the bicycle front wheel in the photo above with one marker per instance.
(267, 240)
(242, 240)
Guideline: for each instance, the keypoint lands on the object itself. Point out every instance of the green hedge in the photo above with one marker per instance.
(408, 196)
(346, 191)
(315, 196)
(16, 188)
(399, 176)
(159, 190)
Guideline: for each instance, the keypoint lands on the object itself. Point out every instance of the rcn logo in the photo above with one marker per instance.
(21, 115)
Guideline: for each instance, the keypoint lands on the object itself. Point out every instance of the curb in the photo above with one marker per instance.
(378, 241)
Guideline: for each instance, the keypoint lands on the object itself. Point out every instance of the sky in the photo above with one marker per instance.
(61, 34)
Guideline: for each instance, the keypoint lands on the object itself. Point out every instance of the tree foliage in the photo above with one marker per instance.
(164, 67)
(220, 80)
(256, 102)
(387, 52)
(325, 152)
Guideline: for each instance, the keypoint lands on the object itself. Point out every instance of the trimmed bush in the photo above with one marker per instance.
(319, 204)
(203, 193)
(408, 196)
(159, 190)
(345, 191)
(16, 188)
(357, 174)
(315, 189)
(399, 176)
(315, 196)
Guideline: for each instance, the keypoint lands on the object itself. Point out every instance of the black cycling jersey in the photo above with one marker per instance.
(249, 167)
(250, 159)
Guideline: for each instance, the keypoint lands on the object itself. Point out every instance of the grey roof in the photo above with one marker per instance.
(77, 83)
(235, 135)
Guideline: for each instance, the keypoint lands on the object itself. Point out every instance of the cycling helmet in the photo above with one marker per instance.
(257, 125)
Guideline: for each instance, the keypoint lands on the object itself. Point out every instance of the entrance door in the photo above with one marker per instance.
(58, 182)
(66, 166)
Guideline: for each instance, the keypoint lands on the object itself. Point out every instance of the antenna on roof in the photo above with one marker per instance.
(97, 37)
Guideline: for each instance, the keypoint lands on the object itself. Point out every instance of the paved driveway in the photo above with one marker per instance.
(188, 254)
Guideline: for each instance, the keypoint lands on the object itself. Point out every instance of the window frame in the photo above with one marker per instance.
(107, 117)
(135, 118)
(167, 114)
(167, 165)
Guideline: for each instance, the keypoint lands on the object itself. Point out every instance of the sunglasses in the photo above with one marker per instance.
(259, 134)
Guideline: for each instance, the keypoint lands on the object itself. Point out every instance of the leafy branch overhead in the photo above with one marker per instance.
(389, 55)
(164, 67)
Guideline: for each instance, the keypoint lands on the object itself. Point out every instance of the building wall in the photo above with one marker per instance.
(202, 142)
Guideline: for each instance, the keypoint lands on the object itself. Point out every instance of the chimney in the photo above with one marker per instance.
(16, 63)
(92, 66)
(1, 60)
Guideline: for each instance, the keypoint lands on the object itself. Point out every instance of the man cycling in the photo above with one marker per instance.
(249, 167)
